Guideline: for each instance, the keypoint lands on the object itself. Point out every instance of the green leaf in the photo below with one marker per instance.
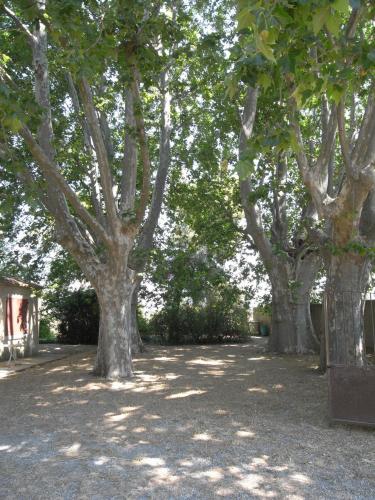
(244, 4)
(232, 87)
(4, 59)
(245, 19)
(265, 81)
(265, 50)
(268, 37)
(341, 6)
(319, 19)
(282, 16)
(333, 23)
(264, 36)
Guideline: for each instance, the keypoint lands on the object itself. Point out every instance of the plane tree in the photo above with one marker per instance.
(76, 82)
(274, 203)
(322, 52)
(275, 209)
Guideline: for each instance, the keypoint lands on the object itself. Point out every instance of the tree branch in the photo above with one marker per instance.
(316, 177)
(344, 143)
(352, 23)
(145, 155)
(248, 117)
(328, 142)
(103, 122)
(146, 237)
(52, 173)
(101, 153)
(364, 149)
(68, 235)
(30, 37)
(252, 214)
(95, 190)
(129, 169)
(280, 226)
(302, 160)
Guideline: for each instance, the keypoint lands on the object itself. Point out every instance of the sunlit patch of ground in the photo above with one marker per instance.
(195, 422)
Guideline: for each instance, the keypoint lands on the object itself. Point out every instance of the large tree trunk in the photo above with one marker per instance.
(348, 276)
(137, 344)
(292, 330)
(114, 356)
(283, 331)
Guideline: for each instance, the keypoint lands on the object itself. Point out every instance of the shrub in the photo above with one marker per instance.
(200, 325)
(77, 314)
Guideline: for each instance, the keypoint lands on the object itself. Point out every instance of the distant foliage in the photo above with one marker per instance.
(45, 332)
(199, 325)
(77, 315)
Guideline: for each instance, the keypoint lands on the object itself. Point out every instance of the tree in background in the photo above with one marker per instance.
(277, 230)
(197, 299)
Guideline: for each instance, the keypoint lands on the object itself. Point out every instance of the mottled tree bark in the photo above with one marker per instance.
(283, 337)
(345, 301)
(114, 356)
(307, 269)
(292, 329)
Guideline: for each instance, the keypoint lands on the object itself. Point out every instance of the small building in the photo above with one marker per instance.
(19, 318)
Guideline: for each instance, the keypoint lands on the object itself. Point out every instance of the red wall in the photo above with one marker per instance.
(17, 316)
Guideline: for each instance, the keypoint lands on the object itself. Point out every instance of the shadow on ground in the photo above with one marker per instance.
(196, 422)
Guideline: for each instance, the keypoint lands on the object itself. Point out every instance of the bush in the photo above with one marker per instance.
(202, 325)
(77, 314)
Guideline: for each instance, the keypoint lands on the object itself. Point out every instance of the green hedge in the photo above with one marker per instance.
(77, 314)
(199, 325)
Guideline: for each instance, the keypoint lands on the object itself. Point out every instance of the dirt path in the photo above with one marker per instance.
(197, 422)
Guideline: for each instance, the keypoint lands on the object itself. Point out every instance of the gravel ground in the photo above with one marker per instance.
(196, 422)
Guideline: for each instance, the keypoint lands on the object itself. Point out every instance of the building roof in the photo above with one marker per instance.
(17, 282)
